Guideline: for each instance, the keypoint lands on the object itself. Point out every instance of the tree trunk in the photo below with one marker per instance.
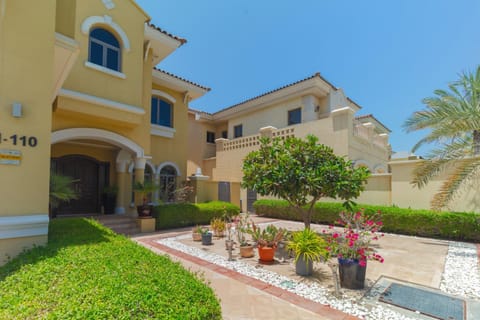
(476, 142)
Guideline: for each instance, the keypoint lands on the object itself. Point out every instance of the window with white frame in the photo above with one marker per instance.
(162, 112)
(104, 49)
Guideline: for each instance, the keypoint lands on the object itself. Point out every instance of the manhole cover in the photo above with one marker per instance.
(432, 304)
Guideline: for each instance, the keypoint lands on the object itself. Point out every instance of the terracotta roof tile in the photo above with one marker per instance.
(182, 41)
(182, 79)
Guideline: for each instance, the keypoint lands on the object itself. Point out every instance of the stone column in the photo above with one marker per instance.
(198, 183)
(139, 176)
(122, 182)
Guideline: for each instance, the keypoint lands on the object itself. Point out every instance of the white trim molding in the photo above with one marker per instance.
(98, 134)
(162, 131)
(163, 95)
(100, 68)
(168, 163)
(89, 22)
(100, 101)
(23, 226)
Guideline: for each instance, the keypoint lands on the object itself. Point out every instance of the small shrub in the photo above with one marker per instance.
(187, 214)
(425, 223)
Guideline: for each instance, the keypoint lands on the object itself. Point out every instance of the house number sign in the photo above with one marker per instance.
(11, 157)
(18, 140)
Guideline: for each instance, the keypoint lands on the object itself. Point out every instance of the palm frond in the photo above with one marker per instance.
(465, 172)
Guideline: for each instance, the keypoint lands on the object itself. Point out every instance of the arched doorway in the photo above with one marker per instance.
(168, 183)
(90, 177)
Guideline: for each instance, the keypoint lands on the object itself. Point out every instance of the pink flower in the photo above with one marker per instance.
(335, 235)
(362, 263)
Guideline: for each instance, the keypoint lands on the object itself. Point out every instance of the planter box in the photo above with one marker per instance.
(146, 224)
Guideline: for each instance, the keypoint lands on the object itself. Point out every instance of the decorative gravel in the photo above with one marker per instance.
(461, 277)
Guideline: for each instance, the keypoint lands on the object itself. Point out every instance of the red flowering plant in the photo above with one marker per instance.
(354, 242)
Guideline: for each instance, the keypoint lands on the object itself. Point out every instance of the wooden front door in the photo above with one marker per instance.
(90, 177)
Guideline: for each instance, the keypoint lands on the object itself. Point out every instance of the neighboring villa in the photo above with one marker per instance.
(310, 106)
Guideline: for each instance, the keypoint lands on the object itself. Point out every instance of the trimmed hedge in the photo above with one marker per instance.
(88, 272)
(169, 216)
(424, 223)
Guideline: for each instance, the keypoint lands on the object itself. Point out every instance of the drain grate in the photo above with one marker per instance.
(432, 304)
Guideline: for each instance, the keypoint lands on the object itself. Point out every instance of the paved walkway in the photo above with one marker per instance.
(243, 297)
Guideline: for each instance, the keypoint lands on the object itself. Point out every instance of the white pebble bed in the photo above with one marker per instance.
(461, 275)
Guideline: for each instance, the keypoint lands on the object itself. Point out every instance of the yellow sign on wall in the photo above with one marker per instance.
(12, 157)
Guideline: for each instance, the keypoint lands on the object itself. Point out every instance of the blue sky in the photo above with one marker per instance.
(386, 55)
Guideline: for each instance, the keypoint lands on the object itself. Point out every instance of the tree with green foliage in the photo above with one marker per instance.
(301, 172)
(453, 117)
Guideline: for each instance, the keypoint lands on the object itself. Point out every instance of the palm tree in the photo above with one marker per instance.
(453, 117)
(61, 190)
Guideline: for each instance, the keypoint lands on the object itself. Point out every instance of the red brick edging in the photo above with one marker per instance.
(320, 309)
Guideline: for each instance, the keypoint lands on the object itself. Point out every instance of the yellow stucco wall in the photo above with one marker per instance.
(14, 246)
(198, 148)
(274, 115)
(27, 79)
(65, 17)
(404, 194)
(100, 84)
(173, 149)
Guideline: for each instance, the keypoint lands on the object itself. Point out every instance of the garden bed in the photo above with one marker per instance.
(88, 272)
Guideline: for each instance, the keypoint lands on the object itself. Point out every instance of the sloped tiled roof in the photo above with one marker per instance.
(182, 41)
(317, 74)
(372, 117)
(182, 79)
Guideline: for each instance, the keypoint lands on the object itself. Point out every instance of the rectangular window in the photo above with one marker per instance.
(162, 112)
(225, 134)
(96, 53)
(295, 116)
(210, 137)
(238, 131)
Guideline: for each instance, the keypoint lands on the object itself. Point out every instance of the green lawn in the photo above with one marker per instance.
(88, 272)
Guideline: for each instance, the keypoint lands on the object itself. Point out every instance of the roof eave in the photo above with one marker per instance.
(175, 83)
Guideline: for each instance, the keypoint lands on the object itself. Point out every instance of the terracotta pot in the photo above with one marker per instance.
(196, 236)
(352, 275)
(246, 251)
(266, 253)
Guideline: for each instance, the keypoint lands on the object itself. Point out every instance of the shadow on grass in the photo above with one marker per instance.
(62, 233)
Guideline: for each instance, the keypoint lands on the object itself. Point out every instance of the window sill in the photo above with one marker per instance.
(111, 72)
(162, 131)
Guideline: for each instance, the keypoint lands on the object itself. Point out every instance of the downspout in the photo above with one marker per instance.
(3, 5)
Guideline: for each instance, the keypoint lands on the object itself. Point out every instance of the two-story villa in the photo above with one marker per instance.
(80, 96)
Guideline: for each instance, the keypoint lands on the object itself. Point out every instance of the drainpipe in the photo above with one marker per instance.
(3, 5)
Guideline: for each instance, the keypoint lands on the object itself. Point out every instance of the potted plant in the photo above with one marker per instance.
(109, 199)
(267, 240)
(218, 227)
(197, 233)
(206, 236)
(242, 226)
(353, 246)
(144, 210)
(308, 247)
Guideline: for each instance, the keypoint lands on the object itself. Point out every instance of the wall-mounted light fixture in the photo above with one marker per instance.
(17, 110)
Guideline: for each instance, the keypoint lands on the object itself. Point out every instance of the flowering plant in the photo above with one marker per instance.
(354, 243)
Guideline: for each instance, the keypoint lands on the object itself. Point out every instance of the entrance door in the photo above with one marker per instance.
(90, 177)
(224, 191)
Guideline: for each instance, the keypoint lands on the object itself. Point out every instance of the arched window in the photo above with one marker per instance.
(104, 49)
(162, 112)
(168, 183)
